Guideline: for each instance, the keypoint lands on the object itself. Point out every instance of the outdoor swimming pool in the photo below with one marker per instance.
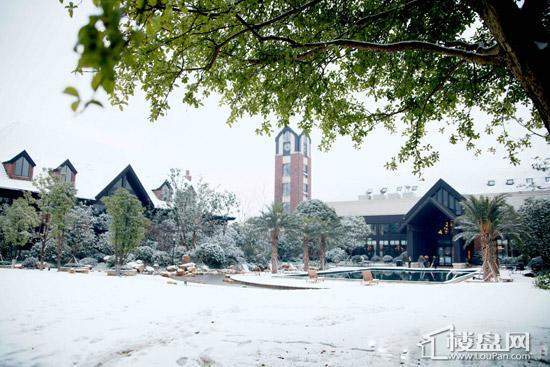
(398, 274)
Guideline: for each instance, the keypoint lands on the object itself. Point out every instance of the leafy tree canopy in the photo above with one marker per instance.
(18, 222)
(535, 236)
(127, 226)
(347, 67)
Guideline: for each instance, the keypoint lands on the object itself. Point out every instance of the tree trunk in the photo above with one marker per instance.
(521, 38)
(274, 252)
(306, 254)
(59, 247)
(42, 248)
(194, 239)
(490, 261)
(322, 251)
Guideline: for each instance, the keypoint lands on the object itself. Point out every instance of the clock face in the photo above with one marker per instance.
(286, 147)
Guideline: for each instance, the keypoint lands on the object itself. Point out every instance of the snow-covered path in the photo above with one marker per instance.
(61, 319)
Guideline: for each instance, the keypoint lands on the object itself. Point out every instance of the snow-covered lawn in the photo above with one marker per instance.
(61, 319)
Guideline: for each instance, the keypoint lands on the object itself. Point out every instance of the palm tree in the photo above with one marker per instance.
(319, 221)
(485, 220)
(274, 219)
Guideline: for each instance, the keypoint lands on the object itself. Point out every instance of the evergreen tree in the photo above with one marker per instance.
(56, 199)
(18, 223)
(127, 226)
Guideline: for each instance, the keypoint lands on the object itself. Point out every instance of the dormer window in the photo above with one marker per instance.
(22, 168)
(65, 174)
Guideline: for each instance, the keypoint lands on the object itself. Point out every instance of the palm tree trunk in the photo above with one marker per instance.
(274, 252)
(490, 262)
(322, 252)
(306, 253)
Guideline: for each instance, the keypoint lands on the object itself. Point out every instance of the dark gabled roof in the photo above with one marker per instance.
(427, 198)
(22, 154)
(162, 184)
(286, 128)
(69, 164)
(138, 187)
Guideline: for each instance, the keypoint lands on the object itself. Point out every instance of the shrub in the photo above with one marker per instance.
(50, 252)
(161, 258)
(145, 254)
(88, 261)
(387, 259)
(536, 264)
(30, 262)
(543, 281)
(336, 255)
(375, 258)
(211, 254)
(357, 259)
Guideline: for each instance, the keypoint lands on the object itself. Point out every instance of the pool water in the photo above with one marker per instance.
(398, 274)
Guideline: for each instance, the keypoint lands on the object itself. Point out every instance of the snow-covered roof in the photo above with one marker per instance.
(90, 180)
(393, 204)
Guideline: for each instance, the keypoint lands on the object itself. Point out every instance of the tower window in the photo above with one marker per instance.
(286, 207)
(286, 169)
(22, 168)
(286, 189)
(306, 188)
(306, 172)
(305, 146)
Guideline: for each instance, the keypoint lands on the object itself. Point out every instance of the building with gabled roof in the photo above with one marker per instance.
(421, 225)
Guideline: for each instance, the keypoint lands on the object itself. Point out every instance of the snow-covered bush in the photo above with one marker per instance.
(88, 261)
(211, 254)
(375, 258)
(50, 252)
(161, 258)
(336, 255)
(543, 281)
(387, 259)
(357, 259)
(145, 254)
(30, 262)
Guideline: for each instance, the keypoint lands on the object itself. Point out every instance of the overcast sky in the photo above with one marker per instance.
(36, 40)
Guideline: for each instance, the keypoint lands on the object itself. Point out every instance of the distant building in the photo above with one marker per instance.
(292, 168)
(421, 225)
(17, 173)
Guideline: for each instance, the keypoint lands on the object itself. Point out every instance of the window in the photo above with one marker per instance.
(306, 171)
(22, 168)
(286, 207)
(286, 148)
(286, 136)
(529, 180)
(286, 189)
(547, 179)
(491, 183)
(305, 146)
(65, 173)
(305, 188)
(286, 169)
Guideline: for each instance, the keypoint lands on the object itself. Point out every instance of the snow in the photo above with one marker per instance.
(62, 319)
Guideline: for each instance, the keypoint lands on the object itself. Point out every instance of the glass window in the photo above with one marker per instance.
(286, 189)
(22, 167)
(286, 207)
(65, 174)
(529, 180)
(305, 146)
(547, 179)
(286, 136)
(306, 172)
(305, 187)
(286, 169)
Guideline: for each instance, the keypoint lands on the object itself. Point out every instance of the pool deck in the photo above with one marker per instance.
(275, 281)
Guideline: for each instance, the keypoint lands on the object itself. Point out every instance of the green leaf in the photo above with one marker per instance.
(74, 105)
(96, 81)
(93, 101)
(71, 91)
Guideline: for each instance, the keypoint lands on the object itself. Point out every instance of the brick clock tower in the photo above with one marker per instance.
(292, 168)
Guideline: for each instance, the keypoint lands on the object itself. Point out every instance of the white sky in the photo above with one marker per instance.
(36, 40)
